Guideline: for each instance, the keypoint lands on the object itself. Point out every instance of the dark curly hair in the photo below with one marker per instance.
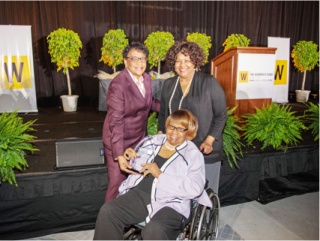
(140, 47)
(186, 48)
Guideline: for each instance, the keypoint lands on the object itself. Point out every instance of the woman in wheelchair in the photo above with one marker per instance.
(170, 173)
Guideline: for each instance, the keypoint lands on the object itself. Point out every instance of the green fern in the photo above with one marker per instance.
(152, 124)
(231, 139)
(274, 126)
(311, 116)
(14, 141)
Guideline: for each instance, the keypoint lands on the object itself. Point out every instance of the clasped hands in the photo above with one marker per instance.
(147, 168)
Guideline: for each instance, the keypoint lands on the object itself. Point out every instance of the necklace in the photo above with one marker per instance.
(183, 95)
(169, 146)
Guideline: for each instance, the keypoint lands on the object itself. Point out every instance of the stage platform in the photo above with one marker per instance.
(51, 199)
(54, 125)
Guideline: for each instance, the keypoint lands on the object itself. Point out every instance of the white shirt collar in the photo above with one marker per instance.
(135, 79)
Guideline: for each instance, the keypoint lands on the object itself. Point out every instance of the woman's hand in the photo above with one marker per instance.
(129, 153)
(150, 168)
(124, 163)
(206, 146)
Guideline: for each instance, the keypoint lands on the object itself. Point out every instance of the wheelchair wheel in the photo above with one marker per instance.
(205, 223)
(195, 222)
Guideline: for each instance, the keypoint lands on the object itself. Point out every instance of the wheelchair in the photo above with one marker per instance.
(204, 224)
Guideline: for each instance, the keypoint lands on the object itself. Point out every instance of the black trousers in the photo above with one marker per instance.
(129, 209)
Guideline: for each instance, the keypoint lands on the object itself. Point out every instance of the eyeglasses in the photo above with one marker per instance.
(136, 59)
(179, 129)
(186, 61)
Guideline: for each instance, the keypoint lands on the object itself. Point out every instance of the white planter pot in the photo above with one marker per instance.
(69, 102)
(302, 95)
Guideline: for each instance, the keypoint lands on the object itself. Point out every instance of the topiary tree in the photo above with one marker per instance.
(158, 43)
(235, 40)
(203, 40)
(64, 48)
(113, 44)
(305, 57)
(14, 141)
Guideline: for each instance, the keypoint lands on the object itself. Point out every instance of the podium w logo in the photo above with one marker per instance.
(243, 77)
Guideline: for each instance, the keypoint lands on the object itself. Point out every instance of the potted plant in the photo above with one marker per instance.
(113, 44)
(305, 56)
(274, 126)
(14, 141)
(202, 40)
(235, 40)
(311, 117)
(158, 43)
(64, 48)
(232, 145)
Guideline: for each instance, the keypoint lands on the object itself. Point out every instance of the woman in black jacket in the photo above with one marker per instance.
(201, 94)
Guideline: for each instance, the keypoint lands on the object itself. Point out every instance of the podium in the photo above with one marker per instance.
(247, 76)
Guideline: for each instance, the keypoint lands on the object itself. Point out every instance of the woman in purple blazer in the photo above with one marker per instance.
(129, 102)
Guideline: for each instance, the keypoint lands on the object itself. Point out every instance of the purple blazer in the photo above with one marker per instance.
(128, 111)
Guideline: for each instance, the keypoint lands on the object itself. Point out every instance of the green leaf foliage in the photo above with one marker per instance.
(274, 126)
(311, 117)
(64, 48)
(231, 139)
(152, 127)
(305, 55)
(235, 40)
(203, 40)
(113, 44)
(158, 43)
(14, 141)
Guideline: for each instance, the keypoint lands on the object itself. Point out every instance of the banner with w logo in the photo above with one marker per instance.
(17, 84)
(281, 74)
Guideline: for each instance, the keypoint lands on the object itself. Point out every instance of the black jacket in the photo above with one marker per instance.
(206, 100)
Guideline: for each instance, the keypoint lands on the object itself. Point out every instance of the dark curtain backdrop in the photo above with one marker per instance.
(92, 19)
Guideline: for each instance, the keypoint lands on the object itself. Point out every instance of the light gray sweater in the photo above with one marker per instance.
(182, 178)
